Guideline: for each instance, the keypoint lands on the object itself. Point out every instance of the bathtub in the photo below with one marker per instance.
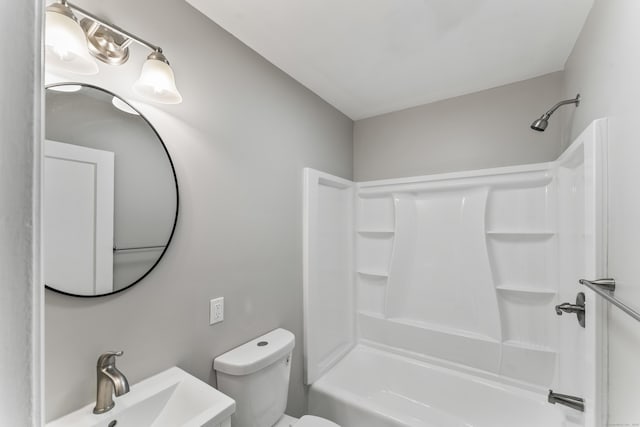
(374, 388)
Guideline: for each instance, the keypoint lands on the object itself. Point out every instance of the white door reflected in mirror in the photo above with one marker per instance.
(78, 220)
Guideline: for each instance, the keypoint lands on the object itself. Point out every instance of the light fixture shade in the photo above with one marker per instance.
(156, 82)
(66, 43)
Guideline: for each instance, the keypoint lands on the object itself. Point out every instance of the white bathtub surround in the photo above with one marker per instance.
(462, 271)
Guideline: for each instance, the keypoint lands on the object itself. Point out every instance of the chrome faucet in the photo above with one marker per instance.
(110, 381)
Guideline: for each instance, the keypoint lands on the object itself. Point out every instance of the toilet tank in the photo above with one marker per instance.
(256, 376)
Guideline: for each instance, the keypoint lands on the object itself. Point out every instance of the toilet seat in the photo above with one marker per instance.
(312, 421)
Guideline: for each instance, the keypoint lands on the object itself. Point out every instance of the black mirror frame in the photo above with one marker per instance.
(175, 179)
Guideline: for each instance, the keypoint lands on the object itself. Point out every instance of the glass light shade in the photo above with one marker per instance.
(66, 45)
(157, 83)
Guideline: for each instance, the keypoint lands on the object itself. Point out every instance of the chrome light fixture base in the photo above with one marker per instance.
(158, 56)
(104, 44)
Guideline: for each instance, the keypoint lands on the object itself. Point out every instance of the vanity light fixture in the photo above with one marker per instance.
(70, 46)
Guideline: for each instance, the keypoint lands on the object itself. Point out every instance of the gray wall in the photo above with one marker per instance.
(20, 289)
(481, 130)
(605, 68)
(239, 142)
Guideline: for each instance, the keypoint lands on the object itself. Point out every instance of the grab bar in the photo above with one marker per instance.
(605, 288)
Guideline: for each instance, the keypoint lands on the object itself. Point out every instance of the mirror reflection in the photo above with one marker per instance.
(110, 193)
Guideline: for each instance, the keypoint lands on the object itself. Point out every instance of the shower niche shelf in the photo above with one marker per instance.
(374, 240)
(372, 314)
(371, 292)
(528, 346)
(522, 233)
(526, 289)
(375, 213)
(528, 318)
(373, 253)
(522, 208)
(372, 273)
(522, 245)
(526, 261)
(380, 232)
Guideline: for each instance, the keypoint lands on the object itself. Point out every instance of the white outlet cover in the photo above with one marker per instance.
(216, 310)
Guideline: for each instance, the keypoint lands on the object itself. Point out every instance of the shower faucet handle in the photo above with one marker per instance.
(578, 308)
(567, 307)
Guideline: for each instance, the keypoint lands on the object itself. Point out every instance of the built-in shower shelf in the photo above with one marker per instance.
(381, 232)
(527, 290)
(527, 233)
(529, 346)
(373, 273)
(369, 313)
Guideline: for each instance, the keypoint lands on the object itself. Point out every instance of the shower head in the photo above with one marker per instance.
(541, 124)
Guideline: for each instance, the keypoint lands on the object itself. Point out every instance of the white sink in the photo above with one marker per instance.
(169, 399)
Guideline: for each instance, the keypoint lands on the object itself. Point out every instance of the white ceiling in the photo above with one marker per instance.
(368, 57)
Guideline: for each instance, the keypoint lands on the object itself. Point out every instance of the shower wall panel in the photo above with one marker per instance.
(462, 268)
(328, 271)
(440, 273)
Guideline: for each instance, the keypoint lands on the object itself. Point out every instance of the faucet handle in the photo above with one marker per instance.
(108, 358)
(578, 308)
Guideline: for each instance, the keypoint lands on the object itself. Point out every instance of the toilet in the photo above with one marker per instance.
(256, 376)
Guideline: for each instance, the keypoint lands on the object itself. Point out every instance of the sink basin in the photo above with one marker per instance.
(169, 399)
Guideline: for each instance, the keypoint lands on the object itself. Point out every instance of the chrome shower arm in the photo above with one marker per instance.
(575, 100)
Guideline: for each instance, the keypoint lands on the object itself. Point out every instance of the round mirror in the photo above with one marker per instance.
(110, 193)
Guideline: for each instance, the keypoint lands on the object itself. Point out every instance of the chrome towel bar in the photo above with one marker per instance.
(605, 288)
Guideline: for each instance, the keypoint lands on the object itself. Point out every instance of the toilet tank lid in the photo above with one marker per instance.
(256, 354)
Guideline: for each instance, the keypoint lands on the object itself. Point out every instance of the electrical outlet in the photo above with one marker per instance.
(216, 310)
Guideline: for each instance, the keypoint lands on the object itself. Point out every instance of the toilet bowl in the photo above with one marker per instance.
(256, 376)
